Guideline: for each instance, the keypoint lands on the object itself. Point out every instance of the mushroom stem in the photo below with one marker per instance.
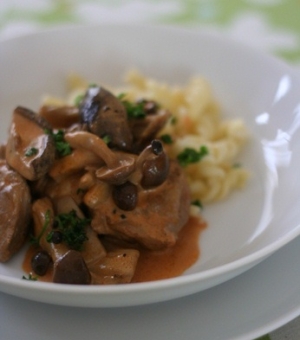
(91, 142)
(119, 165)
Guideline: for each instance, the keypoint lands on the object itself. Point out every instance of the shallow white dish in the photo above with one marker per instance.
(243, 230)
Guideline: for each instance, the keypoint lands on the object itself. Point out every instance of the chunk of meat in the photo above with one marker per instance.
(29, 150)
(14, 211)
(154, 223)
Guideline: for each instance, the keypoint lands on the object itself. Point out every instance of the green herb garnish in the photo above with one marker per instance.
(134, 110)
(167, 139)
(78, 99)
(36, 240)
(106, 139)
(31, 152)
(173, 120)
(30, 277)
(62, 147)
(197, 203)
(72, 229)
(189, 155)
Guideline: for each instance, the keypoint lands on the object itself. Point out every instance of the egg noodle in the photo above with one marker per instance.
(196, 121)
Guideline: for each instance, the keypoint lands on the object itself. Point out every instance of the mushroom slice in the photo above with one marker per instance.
(68, 265)
(71, 164)
(14, 211)
(117, 267)
(146, 129)
(118, 165)
(60, 117)
(29, 150)
(105, 115)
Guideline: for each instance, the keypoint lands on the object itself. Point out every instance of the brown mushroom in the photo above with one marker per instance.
(152, 166)
(73, 163)
(105, 115)
(60, 117)
(118, 165)
(14, 211)
(29, 150)
(125, 196)
(144, 130)
(68, 265)
(118, 266)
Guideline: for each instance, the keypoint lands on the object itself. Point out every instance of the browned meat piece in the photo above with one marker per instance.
(29, 150)
(155, 221)
(2, 151)
(14, 211)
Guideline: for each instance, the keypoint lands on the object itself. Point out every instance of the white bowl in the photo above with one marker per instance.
(244, 229)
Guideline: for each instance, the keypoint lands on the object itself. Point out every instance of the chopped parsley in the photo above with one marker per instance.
(36, 240)
(173, 120)
(78, 99)
(167, 139)
(133, 110)
(30, 277)
(72, 229)
(106, 139)
(31, 152)
(197, 203)
(62, 147)
(189, 155)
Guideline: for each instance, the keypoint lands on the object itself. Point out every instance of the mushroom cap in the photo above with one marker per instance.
(105, 115)
(71, 268)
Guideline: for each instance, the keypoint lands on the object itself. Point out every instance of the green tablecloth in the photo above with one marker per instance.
(269, 25)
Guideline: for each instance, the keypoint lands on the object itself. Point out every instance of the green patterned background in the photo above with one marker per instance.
(271, 25)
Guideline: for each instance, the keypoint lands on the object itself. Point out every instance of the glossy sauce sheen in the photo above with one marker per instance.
(171, 262)
(155, 265)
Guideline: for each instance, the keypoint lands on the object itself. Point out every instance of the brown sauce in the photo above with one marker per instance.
(171, 262)
(154, 265)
